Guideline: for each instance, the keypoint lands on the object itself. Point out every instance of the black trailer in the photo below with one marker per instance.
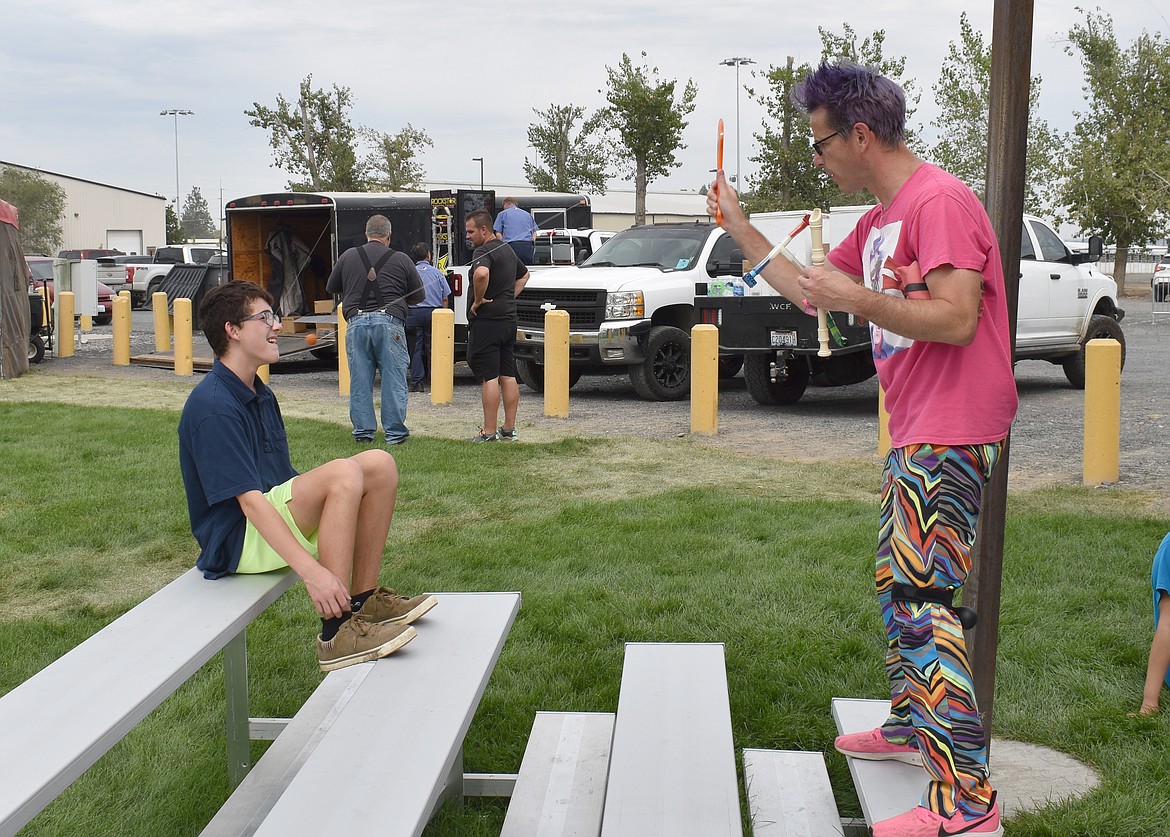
(288, 242)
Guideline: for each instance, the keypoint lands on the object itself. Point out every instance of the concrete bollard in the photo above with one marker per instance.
(121, 324)
(184, 347)
(883, 445)
(1102, 412)
(342, 355)
(705, 379)
(162, 321)
(65, 308)
(556, 363)
(442, 356)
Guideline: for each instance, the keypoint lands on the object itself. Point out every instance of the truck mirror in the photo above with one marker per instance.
(1096, 247)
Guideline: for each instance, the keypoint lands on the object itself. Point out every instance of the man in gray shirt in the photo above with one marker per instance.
(376, 285)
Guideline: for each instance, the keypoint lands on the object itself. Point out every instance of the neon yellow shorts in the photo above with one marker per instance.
(258, 556)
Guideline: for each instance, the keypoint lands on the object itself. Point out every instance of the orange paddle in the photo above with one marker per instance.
(719, 168)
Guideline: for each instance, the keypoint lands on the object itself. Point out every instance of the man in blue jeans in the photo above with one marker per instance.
(376, 286)
(418, 321)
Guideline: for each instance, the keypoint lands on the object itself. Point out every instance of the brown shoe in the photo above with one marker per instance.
(359, 641)
(386, 607)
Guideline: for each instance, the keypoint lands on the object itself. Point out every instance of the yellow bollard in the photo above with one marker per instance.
(1102, 411)
(184, 347)
(442, 356)
(705, 379)
(86, 322)
(264, 373)
(162, 321)
(342, 355)
(883, 447)
(65, 324)
(122, 330)
(556, 363)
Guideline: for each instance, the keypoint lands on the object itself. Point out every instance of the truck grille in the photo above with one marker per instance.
(586, 308)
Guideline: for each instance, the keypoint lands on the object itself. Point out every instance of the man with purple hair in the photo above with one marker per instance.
(944, 361)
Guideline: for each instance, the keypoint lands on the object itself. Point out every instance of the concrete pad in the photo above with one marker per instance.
(1029, 777)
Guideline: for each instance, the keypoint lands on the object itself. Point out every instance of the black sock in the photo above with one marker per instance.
(329, 626)
(359, 599)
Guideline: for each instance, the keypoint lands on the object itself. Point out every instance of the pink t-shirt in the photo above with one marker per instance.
(937, 392)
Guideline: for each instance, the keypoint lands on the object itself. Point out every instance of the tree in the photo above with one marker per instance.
(649, 120)
(174, 228)
(788, 178)
(313, 138)
(1119, 160)
(391, 165)
(197, 222)
(569, 164)
(41, 203)
(963, 96)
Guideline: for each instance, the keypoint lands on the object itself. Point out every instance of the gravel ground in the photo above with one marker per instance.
(834, 423)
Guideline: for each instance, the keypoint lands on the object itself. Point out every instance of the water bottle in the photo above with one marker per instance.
(737, 287)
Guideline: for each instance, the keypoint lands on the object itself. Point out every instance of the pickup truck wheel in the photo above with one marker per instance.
(532, 373)
(665, 375)
(729, 366)
(761, 387)
(36, 348)
(1101, 327)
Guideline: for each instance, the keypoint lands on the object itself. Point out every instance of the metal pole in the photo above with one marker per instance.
(176, 113)
(1007, 143)
(737, 62)
(480, 161)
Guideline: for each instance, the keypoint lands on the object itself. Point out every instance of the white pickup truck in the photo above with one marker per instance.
(1063, 303)
(631, 306)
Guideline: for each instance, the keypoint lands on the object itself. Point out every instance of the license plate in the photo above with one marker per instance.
(784, 338)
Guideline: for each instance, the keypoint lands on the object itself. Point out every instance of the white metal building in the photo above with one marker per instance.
(101, 216)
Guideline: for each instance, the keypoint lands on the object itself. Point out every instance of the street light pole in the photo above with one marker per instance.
(480, 161)
(736, 62)
(177, 112)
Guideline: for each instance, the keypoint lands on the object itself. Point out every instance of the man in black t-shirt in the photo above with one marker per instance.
(497, 276)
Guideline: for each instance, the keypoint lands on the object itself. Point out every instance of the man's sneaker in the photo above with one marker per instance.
(922, 822)
(485, 437)
(359, 641)
(507, 435)
(386, 607)
(873, 746)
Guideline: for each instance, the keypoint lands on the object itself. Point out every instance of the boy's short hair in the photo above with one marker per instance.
(851, 93)
(225, 304)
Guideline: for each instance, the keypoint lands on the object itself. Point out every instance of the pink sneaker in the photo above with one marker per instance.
(922, 822)
(873, 746)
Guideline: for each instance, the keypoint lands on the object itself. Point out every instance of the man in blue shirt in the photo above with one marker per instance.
(250, 510)
(418, 318)
(516, 228)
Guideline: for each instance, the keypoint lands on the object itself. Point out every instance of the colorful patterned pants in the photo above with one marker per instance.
(929, 509)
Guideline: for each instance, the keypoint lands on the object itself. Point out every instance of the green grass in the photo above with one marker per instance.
(609, 541)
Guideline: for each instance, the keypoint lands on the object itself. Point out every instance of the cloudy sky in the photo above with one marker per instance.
(84, 81)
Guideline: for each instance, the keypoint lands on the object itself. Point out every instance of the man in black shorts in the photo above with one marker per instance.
(497, 276)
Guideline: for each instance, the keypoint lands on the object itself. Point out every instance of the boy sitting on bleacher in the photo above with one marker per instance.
(252, 512)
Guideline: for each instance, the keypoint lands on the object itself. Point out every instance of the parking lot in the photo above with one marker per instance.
(827, 424)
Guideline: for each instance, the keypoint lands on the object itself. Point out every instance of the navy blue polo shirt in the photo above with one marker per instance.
(231, 440)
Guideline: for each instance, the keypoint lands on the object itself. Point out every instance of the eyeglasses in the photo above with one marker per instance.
(816, 146)
(268, 316)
